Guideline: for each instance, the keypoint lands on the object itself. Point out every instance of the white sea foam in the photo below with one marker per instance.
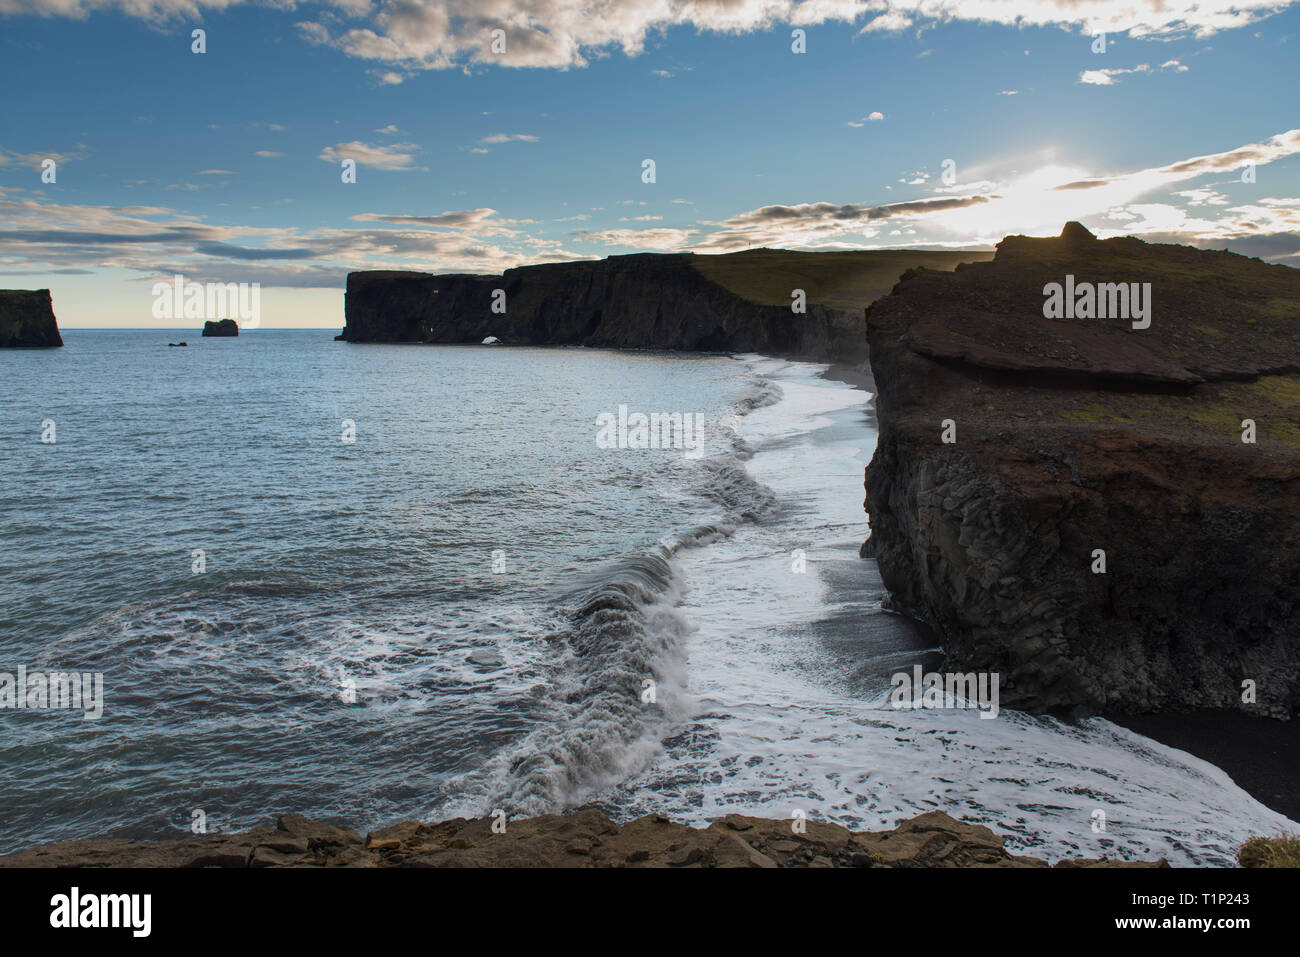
(775, 730)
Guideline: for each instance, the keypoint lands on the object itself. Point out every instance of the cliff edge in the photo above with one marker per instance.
(1102, 506)
(740, 302)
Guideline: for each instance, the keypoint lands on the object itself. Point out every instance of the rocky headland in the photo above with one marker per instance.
(580, 839)
(27, 319)
(1105, 513)
(740, 302)
(221, 327)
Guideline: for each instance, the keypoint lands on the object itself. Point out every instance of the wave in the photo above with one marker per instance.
(618, 682)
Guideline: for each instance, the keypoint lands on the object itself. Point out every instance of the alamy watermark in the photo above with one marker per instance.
(1106, 300)
(75, 909)
(953, 690)
(658, 430)
(55, 690)
(178, 299)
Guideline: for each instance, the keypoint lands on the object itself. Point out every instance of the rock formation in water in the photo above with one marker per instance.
(1115, 524)
(581, 839)
(740, 302)
(27, 318)
(221, 327)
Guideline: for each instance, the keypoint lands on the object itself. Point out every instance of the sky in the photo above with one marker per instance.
(919, 124)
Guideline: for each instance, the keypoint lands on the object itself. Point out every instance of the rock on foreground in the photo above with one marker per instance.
(740, 302)
(581, 839)
(1075, 437)
(27, 318)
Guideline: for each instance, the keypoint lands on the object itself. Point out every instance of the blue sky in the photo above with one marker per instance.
(225, 166)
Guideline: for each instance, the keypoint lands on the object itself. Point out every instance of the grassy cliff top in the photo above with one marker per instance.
(1222, 346)
(850, 281)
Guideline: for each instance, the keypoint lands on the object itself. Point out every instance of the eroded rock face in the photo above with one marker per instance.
(27, 318)
(1080, 436)
(644, 301)
(221, 327)
(581, 839)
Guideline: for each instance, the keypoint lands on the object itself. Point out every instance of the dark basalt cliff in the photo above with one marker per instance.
(643, 301)
(222, 327)
(1078, 435)
(27, 318)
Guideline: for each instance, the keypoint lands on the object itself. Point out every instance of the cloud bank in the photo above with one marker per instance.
(562, 34)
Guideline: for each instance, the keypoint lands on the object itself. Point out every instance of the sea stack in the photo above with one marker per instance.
(27, 319)
(1088, 472)
(222, 327)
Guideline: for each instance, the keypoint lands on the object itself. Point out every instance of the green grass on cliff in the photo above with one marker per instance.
(837, 280)
(1216, 410)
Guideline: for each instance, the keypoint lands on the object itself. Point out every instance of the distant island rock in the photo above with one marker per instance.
(1096, 531)
(773, 301)
(222, 327)
(27, 319)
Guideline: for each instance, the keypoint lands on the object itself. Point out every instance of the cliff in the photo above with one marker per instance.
(27, 318)
(734, 303)
(580, 839)
(1081, 436)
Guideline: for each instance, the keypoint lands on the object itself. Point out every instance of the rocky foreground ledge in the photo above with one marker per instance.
(1105, 511)
(581, 839)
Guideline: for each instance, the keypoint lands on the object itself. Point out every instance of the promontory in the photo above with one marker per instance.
(1087, 478)
(773, 301)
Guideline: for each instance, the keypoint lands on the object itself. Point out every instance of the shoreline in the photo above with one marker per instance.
(1260, 754)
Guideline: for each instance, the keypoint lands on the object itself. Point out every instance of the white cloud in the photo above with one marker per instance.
(397, 157)
(893, 20)
(509, 137)
(1203, 197)
(441, 34)
(874, 117)
(34, 160)
(659, 238)
(1107, 77)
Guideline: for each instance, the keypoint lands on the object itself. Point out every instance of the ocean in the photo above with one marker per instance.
(376, 583)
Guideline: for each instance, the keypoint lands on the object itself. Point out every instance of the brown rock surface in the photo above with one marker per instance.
(580, 839)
